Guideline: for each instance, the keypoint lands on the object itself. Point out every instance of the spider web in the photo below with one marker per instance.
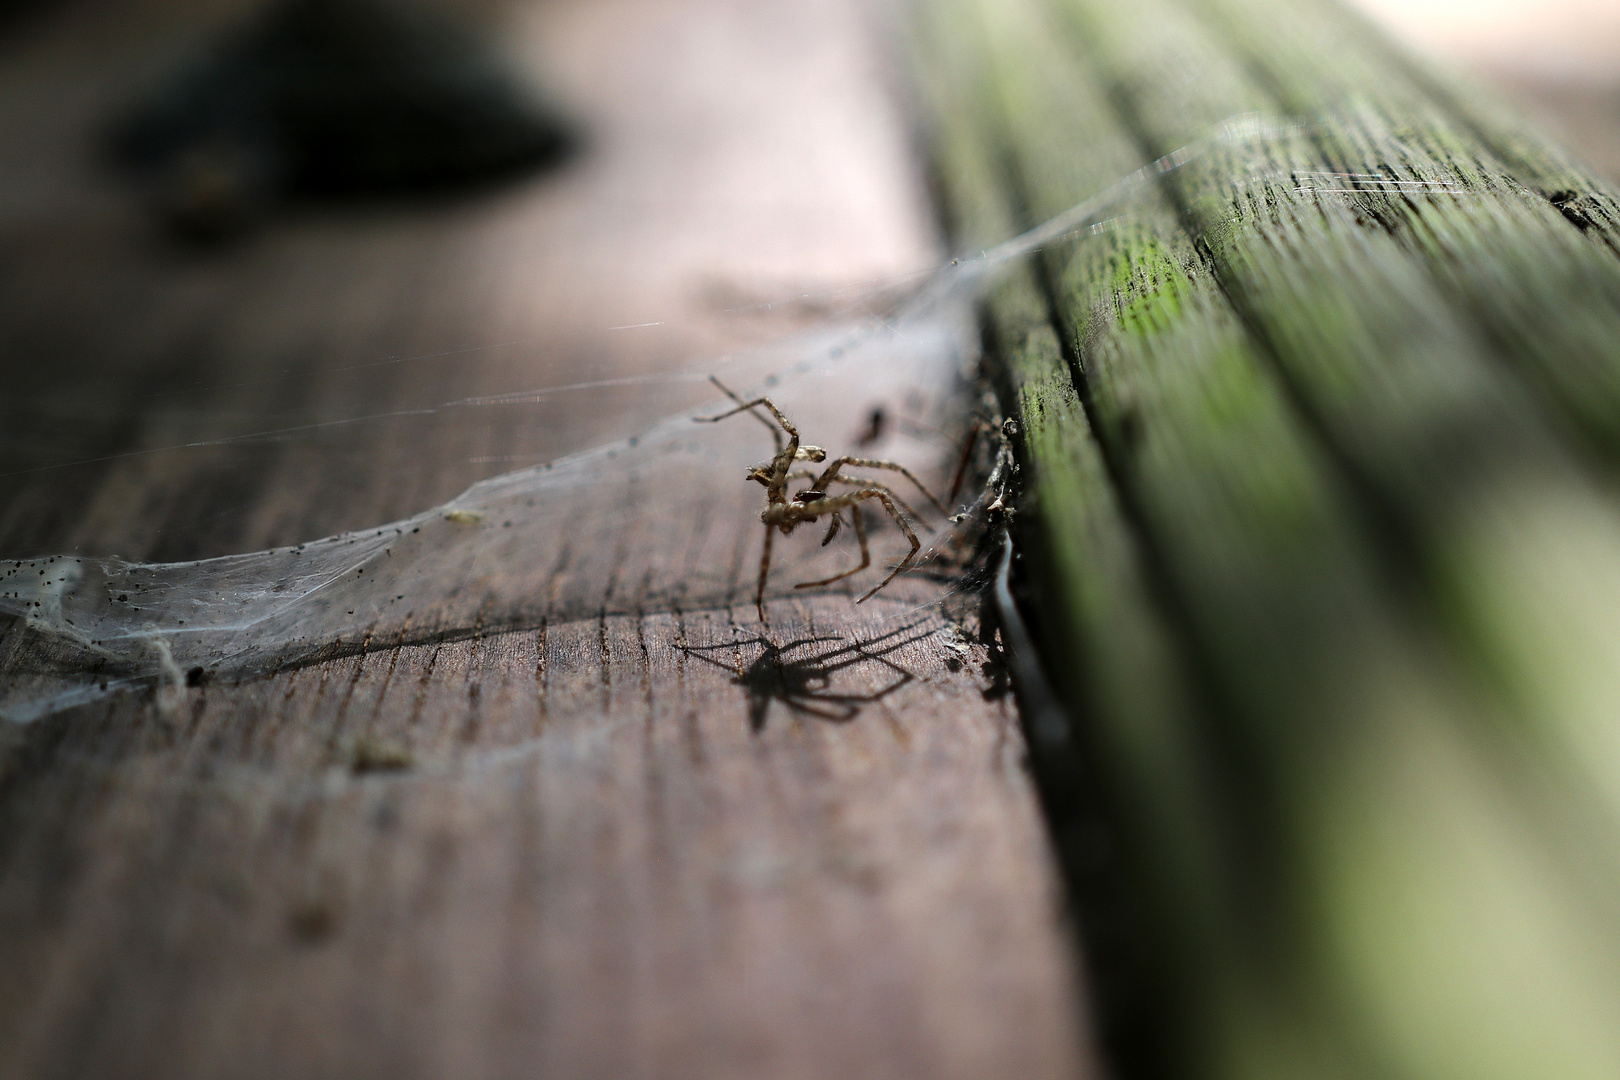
(659, 520)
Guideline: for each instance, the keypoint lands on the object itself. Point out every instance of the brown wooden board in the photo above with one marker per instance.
(665, 843)
(629, 847)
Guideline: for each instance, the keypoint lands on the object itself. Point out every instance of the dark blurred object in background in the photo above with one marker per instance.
(332, 98)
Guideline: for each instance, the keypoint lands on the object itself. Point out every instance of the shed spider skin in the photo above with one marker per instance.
(783, 513)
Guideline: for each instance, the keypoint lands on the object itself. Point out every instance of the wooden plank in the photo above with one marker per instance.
(593, 848)
(669, 842)
(1503, 252)
(1112, 647)
(1463, 480)
(1329, 467)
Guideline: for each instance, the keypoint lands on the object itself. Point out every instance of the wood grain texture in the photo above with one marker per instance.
(1342, 486)
(629, 848)
(666, 844)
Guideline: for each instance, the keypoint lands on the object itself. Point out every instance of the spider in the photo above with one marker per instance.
(783, 513)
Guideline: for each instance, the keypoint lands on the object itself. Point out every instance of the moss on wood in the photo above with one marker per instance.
(1319, 439)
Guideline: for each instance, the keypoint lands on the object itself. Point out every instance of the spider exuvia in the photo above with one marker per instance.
(783, 513)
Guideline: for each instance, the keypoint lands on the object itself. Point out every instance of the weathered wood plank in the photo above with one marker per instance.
(619, 846)
(1530, 156)
(1458, 472)
(1504, 254)
(1093, 600)
(592, 848)
(1331, 469)
(1113, 643)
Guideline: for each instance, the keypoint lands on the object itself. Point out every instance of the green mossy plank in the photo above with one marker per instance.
(1117, 665)
(1543, 290)
(1331, 31)
(1396, 784)
(1472, 493)
(1110, 653)
(1281, 593)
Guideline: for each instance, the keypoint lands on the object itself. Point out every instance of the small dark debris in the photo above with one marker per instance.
(369, 755)
(312, 922)
(196, 676)
(877, 426)
(1569, 203)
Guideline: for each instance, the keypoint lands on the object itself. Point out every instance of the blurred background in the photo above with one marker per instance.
(1558, 60)
(207, 346)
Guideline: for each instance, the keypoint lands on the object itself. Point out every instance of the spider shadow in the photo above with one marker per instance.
(804, 683)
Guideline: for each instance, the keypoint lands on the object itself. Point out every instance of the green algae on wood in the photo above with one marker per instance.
(1349, 390)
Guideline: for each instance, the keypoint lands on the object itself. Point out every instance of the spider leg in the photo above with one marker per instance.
(764, 570)
(832, 529)
(866, 552)
(811, 474)
(748, 407)
(900, 521)
(787, 453)
(873, 463)
(965, 460)
(742, 406)
(873, 485)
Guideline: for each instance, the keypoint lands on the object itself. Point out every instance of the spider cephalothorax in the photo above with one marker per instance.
(784, 513)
